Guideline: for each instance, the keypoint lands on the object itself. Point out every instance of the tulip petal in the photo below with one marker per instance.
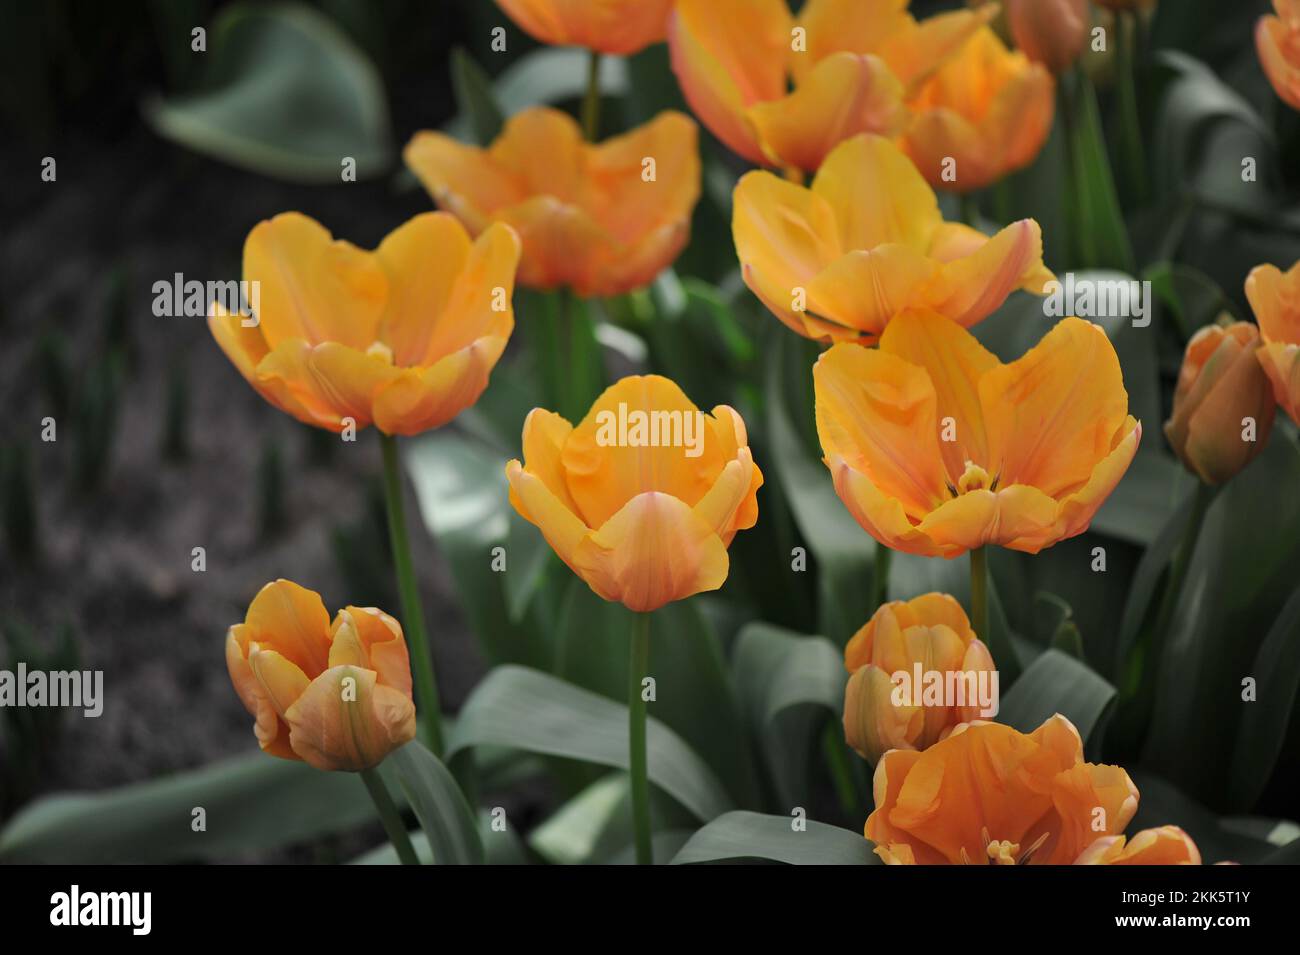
(845, 94)
(345, 721)
(877, 195)
(1054, 413)
(1273, 39)
(282, 680)
(879, 514)
(539, 505)
(423, 260)
(285, 379)
(1078, 508)
(972, 287)
(347, 380)
(291, 620)
(618, 27)
(1275, 299)
(864, 290)
(723, 71)
(418, 399)
(1216, 446)
(312, 286)
(375, 641)
(608, 461)
(271, 732)
(878, 413)
(1164, 845)
(653, 551)
(462, 179)
(1281, 363)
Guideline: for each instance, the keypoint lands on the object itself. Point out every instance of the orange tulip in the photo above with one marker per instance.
(987, 110)
(991, 795)
(1051, 32)
(1165, 845)
(643, 497)
(932, 633)
(337, 696)
(853, 62)
(604, 219)
(1220, 386)
(1275, 298)
(839, 260)
(607, 26)
(936, 447)
(404, 336)
(1277, 39)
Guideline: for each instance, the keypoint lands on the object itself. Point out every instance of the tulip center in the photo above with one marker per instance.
(1004, 851)
(381, 351)
(974, 478)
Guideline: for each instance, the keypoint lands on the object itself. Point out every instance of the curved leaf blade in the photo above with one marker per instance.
(750, 835)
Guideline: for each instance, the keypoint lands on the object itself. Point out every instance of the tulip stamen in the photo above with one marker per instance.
(381, 351)
(1034, 847)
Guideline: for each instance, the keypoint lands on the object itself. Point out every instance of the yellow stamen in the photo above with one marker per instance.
(381, 351)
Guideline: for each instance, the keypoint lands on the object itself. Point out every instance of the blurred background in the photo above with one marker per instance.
(165, 157)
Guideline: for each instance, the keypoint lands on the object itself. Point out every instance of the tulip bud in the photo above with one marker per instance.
(1051, 32)
(337, 696)
(1223, 404)
(918, 671)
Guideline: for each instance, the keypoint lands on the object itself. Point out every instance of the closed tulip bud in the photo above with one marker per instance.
(1277, 39)
(336, 696)
(991, 795)
(403, 337)
(602, 219)
(1051, 32)
(644, 496)
(885, 706)
(1223, 404)
(1275, 298)
(607, 26)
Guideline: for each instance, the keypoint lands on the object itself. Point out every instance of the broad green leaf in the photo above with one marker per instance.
(694, 696)
(1265, 720)
(1100, 237)
(575, 832)
(788, 685)
(546, 75)
(287, 94)
(751, 835)
(254, 802)
(1057, 683)
(532, 711)
(435, 798)
(1162, 804)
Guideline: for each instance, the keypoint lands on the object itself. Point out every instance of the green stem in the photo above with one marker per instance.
(591, 102)
(417, 640)
(389, 816)
(970, 210)
(884, 557)
(846, 789)
(979, 593)
(636, 718)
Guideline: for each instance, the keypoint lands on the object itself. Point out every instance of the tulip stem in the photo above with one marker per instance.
(1178, 572)
(979, 593)
(884, 557)
(591, 102)
(1126, 38)
(970, 210)
(636, 742)
(417, 639)
(389, 816)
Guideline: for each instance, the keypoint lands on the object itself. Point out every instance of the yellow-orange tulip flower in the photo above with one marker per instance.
(991, 795)
(335, 695)
(404, 336)
(936, 447)
(1051, 32)
(643, 497)
(1220, 386)
(608, 26)
(853, 62)
(1277, 39)
(867, 241)
(1164, 845)
(988, 111)
(1275, 298)
(604, 219)
(930, 632)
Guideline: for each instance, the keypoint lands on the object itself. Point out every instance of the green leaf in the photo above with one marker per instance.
(1162, 804)
(1266, 719)
(474, 97)
(751, 835)
(251, 802)
(438, 803)
(695, 698)
(1057, 683)
(788, 684)
(287, 94)
(1101, 238)
(537, 713)
(546, 75)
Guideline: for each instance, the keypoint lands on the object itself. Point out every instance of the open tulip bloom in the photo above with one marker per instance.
(608, 26)
(853, 63)
(1275, 298)
(838, 260)
(601, 219)
(938, 448)
(1277, 39)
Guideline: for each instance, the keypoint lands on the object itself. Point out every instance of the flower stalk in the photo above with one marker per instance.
(636, 727)
(389, 816)
(426, 686)
(979, 592)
